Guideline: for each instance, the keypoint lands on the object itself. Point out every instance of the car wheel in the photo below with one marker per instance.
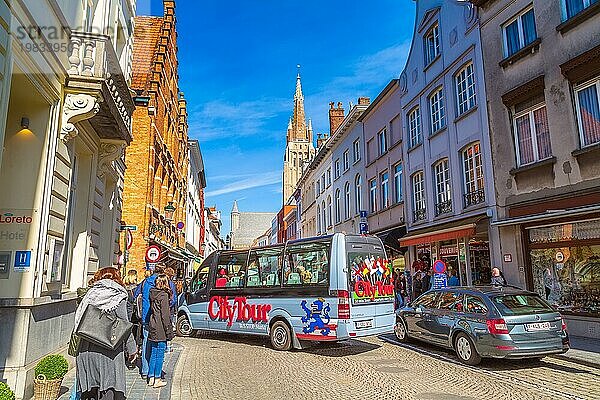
(465, 350)
(183, 327)
(400, 331)
(281, 336)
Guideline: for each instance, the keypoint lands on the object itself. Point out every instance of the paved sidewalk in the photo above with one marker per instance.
(137, 389)
(583, 351)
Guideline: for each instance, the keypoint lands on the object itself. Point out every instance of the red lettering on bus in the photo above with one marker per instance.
(239, 310)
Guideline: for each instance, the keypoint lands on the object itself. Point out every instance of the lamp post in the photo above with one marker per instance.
(169, 211)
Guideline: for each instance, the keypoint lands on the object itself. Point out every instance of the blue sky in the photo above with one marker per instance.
(238, 68)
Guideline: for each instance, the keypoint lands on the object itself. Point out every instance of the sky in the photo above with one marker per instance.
(237, 66)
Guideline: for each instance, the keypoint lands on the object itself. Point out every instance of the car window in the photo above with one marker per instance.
(428, 300)
(451, 301)
(521, 304)
(476, 305)
(264, 268)
(231, 271)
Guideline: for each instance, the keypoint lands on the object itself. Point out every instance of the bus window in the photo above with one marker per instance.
(307, 264)
(264, 267)
(231, 271)
(200, 280)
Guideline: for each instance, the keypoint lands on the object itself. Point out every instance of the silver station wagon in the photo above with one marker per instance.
(491, 321)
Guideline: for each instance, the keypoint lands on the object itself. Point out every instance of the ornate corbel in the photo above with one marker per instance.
(77, 107)
(109, 151)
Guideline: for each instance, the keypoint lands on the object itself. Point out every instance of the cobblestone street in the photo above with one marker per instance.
(235, 367)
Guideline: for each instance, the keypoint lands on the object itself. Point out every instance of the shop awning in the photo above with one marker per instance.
(457, 232)
(391, 237)
(548, 215)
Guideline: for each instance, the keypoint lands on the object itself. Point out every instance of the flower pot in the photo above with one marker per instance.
(46, 389)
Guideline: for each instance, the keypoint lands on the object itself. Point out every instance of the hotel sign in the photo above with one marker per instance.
(14, 228)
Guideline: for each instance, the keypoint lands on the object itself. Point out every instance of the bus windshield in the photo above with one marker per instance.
(370, 278)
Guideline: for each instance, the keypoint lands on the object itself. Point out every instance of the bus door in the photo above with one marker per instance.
(370, 284)
(227, 284)
(197, 295)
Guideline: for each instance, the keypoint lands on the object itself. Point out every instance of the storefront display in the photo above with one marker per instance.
(479, 258)
(565, 262)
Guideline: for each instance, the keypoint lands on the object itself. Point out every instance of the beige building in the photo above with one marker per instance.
(299, 149)
(542, 74)
(64, 123)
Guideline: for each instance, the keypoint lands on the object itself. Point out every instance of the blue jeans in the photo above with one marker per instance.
(157, 358)
(399, 300)
(75, 395)
(145, 350)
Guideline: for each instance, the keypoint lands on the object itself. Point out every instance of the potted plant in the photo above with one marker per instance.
(49, 373)
(5, 392)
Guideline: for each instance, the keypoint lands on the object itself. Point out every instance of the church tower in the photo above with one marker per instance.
(235, 217)
(299, 149)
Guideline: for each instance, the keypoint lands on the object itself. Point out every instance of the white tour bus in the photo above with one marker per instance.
(328, 288)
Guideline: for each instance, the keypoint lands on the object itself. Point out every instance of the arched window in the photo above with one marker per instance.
(329, 212)
(347, 200)
(358, 194)
(323, 218)
(338, 206)
(318, 219)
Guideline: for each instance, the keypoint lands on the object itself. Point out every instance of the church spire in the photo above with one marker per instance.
(298, 118)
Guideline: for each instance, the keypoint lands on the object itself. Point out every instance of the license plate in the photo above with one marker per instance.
(537, 326)
(363, 324)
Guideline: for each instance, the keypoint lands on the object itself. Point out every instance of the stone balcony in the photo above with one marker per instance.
(96, 89)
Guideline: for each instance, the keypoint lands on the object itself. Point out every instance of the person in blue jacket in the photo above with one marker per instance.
(453, 281)
(143, 290)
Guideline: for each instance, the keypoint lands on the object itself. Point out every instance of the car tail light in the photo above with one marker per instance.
(343, 304)
(563, 324)
(497, 326)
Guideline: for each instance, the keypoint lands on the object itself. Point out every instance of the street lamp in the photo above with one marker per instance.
(169, 211)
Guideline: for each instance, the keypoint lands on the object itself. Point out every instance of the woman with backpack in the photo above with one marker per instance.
(160, 329)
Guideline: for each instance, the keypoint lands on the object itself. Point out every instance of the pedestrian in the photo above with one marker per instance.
(101, 371)
(400, 289)
(160, 329)
(170, 272)
(143, 292)
(453, 281)
(417, 284)
(426, 281)
(498, 278)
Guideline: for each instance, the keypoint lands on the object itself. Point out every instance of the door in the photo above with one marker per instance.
(197, 295)
(447, 315)
(419, 318)
(226, 284)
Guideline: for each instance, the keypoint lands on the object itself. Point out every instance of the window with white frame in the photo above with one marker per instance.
(358, 194)
(329, 212)
(323, 182)
(588, 112)
(443, 191)
(532, 135)
(356, 150)
(414, 127)
(317, 188)
(419, 201)
(336, 168)
(346, 158)
(436, 108)
(431, 43)
(328, 177)
(473, 175)
(373, 195)
(519, 31)
(338, 206)
(347, 200)
(382, 141)
(323, 217)
(574, 7)
(465, 88)
(318, 219)
(398, 183)
(385, 191)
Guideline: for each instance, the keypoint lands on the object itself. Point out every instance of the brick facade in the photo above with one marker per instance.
(157, 160)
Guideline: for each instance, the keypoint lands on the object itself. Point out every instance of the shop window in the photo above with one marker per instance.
(479, 257)
(264, 267)
(231, 270)
(475, 305)
(307, 264)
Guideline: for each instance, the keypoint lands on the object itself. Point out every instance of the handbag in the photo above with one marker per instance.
(104, 329)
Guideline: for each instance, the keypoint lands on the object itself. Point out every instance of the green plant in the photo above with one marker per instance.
(54, 366)
(5, 392)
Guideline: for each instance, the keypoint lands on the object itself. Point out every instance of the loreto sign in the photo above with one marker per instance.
(14, 228)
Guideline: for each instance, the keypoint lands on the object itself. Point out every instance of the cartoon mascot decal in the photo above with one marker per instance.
(318, 315)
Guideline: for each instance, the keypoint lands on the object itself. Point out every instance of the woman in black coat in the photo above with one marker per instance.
(160, 329)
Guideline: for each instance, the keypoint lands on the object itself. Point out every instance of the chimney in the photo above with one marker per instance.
(364, 101)
(321, 139)
(336, 116)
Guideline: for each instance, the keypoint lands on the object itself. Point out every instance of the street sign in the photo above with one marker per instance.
(128, 228)
(363, 214)
(180, 225)
(439, 267)
(153, 254)
(439, 281)
(22, 261)
(129, 239)
(363, 227)
(150, 266)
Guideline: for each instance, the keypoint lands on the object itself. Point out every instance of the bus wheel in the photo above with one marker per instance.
(183, 326)
(281, 336)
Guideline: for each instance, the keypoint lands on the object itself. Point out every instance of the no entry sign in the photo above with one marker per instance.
(153, 254)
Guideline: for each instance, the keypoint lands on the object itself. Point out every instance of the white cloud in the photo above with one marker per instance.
(254, 181)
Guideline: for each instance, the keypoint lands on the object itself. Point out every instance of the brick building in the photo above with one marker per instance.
(157, 161)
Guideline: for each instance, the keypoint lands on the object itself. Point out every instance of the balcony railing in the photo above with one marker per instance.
(443, 207)
(419, 215)
(475, 197)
